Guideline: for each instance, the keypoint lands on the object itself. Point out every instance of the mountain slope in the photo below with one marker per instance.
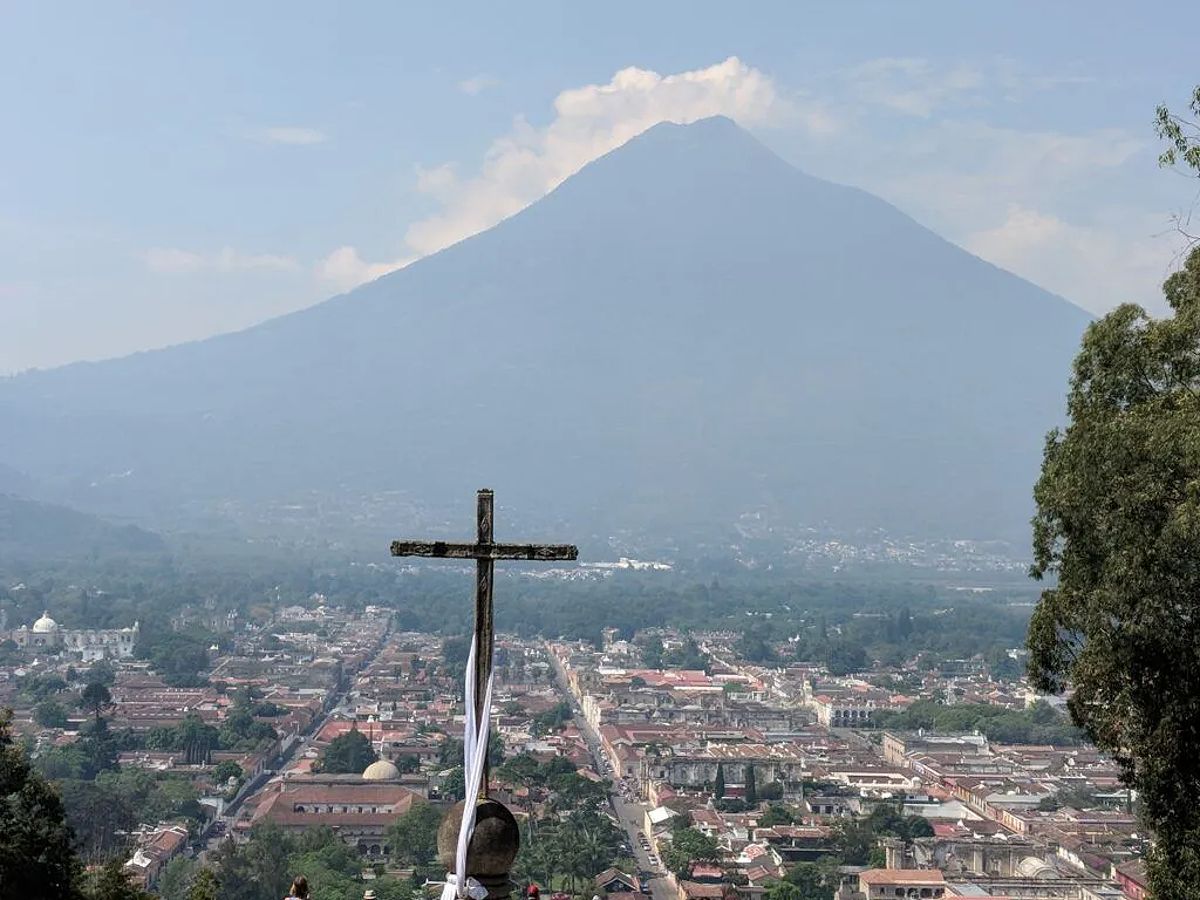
(686, 329)
(30, 530)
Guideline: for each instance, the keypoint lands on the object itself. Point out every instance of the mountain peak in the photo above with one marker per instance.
(687, 329)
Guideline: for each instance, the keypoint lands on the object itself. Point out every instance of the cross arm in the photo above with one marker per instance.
(444, 550)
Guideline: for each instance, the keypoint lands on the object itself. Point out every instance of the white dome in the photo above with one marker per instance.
(45, 625)
(380, 770)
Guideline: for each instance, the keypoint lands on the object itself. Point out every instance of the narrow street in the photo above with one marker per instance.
(630, 813)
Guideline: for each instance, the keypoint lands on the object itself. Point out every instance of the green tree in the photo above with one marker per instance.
(36, 858)
(97, 747)
(225, 770)
(348, 753)
(50, 714)
(98, 814)
(177, 878)
(196, 739)
(687, 846)
(267, 853)
(454, 785)
(719, 787)
(751, 788)
(1118, 524)
(809, 882)
(776, 814)
(102, 672)
(206, 887)
(95, 699)
(1182, 135)
(111, 882)
(413, 837)
(785, 890)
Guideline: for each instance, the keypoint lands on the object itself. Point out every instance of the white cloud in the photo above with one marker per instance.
(589, 121)
(911, 86)
(170, 259)
(477, 84)
(1096, 267)
(1025, 200)
(290, 134)
(175, 261)
(345, 269)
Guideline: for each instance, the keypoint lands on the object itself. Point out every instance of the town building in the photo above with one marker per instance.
(85, 644)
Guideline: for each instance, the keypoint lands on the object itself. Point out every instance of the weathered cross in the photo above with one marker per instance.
(485, 552)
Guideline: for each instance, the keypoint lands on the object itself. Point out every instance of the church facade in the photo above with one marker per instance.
(85, 644)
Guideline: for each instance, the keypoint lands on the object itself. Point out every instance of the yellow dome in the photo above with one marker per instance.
(45, 625)
(380, 770)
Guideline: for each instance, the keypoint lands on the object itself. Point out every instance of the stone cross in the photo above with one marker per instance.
(485, 552)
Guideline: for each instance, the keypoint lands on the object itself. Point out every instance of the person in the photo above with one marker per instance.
(299, 889)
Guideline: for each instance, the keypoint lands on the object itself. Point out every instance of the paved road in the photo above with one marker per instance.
(631, 813)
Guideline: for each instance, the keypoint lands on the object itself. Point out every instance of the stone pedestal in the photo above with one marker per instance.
(493, 848)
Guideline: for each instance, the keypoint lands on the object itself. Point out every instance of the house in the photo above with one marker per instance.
(155, 848)
(1131, 876)
(358, 808)
(690, 890)
(877, 884)
(614, 881)
(658, 819)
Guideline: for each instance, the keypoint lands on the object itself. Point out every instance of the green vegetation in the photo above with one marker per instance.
(1039, 724)
(36, 859)
(1118, 524)
(178, 657)
(262, 869)
(50, 714)
(552, 719)
(348, 753)
(569, 851)
(95, 699)
(857, 839)
(413, 838)
(1182, 135)
(688, 846)
(776, 814)
(804, 881)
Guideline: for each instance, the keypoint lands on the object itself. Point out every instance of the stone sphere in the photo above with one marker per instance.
(493, 848)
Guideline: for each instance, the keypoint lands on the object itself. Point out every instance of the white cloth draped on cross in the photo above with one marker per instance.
(475, 750)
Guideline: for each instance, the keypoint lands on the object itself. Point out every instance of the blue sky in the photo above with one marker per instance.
(170, 171)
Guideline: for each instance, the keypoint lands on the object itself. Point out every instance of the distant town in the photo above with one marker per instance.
(665, 762)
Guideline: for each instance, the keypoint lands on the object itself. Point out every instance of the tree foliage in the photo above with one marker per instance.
(36, 859)
(348, 753)
(50, 714)
(1039, 724)
(95, 699)
(1181, 135)
(413, 836)
(1118, 523)
(689, 845)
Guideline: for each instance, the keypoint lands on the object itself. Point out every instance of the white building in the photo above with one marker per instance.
(86, 644)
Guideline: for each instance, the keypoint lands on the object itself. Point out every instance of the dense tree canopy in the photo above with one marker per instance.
(348, 753)
(36, 859)
(1118, 524)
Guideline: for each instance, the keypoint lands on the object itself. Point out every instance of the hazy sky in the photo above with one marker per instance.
(168, 171)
